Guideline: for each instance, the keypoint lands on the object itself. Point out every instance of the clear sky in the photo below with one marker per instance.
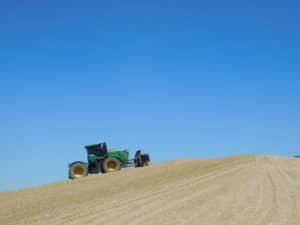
(177, 79)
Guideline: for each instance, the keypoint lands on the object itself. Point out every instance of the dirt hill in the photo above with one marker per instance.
(238, 190)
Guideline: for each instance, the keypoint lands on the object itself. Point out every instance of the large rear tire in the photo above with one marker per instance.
(111, 165)
(78, 170)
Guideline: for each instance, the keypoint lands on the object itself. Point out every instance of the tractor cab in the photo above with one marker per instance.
(99, 150)
(95, 155)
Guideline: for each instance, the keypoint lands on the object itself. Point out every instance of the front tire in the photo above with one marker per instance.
(78, 170)
(111, 165)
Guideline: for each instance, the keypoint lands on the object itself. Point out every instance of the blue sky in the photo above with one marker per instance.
(176, 78)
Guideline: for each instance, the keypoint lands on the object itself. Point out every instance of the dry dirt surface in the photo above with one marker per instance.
(237, 190)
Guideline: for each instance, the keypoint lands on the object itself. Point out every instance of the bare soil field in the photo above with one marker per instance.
(237, 190)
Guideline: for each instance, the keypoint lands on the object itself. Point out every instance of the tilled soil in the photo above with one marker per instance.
(237, 190)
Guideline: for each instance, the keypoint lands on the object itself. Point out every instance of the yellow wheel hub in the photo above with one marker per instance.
(111, 165)
(78, 171)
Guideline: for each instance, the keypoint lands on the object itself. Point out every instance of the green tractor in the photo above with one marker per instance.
(102, 160)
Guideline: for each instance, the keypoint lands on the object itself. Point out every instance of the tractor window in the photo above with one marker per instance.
(98, 150)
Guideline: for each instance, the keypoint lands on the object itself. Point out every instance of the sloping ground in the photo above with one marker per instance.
(238, 190)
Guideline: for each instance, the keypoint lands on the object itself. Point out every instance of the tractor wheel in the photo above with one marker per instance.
(111, 165)
(78, 170)
(145, 160)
